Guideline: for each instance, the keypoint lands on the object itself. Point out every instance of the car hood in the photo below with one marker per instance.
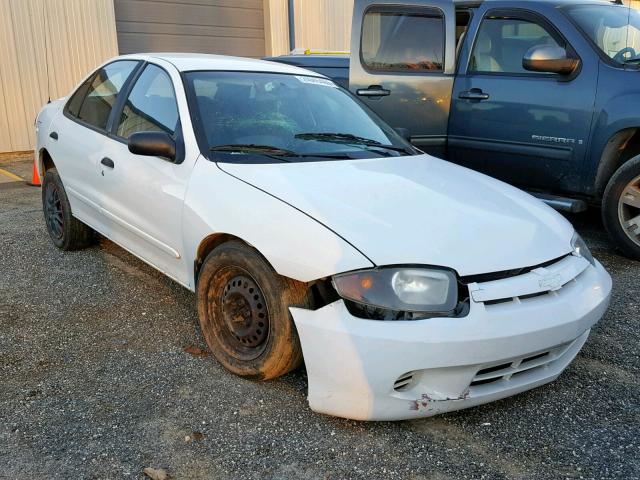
(418, 210)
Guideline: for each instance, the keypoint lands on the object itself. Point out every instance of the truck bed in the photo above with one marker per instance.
(335, 67)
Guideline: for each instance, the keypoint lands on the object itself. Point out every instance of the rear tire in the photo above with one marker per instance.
(243, 308)
(66, 231)
(621, 208)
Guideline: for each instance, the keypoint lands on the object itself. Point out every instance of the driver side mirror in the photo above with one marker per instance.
(549, 59)
(153, 144)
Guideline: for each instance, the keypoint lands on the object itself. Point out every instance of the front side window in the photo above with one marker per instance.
(292, 117)
(614, 29)
(502, 43)
(394, 41)
(151, 105)
(102, 92)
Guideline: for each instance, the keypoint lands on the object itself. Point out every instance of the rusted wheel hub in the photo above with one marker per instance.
(244, 311)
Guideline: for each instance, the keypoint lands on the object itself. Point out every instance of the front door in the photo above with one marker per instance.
(529, 129)
(402, 66)
(142, 196)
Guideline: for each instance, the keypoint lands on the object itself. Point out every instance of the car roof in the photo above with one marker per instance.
(185, 62)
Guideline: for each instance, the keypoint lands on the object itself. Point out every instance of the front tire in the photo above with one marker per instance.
(621, 208)
(66, 231)
(243, 308)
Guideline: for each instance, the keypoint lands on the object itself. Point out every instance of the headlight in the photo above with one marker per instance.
(581, 250)
(401, 289)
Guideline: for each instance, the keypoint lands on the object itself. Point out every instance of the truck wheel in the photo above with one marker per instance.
(66, 231)
(621, 207)
(243, 308)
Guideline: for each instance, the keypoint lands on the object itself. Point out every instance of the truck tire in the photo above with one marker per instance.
(243, 309)
(66, 231)
(621, 207)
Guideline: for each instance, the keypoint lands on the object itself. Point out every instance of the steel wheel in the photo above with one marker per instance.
(629, 210)
(243, 309)
(245, 315)
(53, 211)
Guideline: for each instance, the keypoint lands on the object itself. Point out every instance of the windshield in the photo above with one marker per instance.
(249, 117)
(614, 29)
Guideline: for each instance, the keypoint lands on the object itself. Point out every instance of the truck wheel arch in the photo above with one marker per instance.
(622, 146)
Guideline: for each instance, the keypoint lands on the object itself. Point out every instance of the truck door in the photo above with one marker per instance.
(529, 129)
(402, 65)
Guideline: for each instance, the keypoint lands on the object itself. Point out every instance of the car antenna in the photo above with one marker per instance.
(46, 49)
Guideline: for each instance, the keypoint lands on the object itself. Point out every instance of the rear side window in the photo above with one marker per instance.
(502, 43)
(75, 102)
(403, 41)
(99, 94)
(151, 105)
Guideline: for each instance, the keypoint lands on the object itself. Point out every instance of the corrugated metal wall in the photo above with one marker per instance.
(229, 27)
(323, 24)
(80, 34)
(320, 25)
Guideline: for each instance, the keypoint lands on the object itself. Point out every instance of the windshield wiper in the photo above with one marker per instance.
(272, 152)
(265, 150)
(348, 139)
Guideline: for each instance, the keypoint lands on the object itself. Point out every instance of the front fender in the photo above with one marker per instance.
(615, 112)
(296, 245)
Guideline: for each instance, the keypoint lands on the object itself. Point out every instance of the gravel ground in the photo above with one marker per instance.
(95, 383)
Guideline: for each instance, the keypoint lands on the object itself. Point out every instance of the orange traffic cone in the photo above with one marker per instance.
(35, 178)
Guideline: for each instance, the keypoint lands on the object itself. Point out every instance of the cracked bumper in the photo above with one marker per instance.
(359, 368)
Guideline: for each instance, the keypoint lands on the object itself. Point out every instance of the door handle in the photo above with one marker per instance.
(474, 94)
(373, 91)
(107, 162)
(54, 135)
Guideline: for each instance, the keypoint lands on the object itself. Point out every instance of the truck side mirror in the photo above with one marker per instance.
(549, 59)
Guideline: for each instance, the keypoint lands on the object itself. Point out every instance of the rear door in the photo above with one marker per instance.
(78, 137)
(529, 129)
(402, 65)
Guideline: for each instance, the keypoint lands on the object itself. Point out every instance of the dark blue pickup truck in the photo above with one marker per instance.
(543, 94)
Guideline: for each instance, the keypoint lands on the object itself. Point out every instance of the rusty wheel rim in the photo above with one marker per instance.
(240, 314)
(629, 210)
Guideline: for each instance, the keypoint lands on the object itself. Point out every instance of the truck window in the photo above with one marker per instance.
(403, 40)
(615, 30)
(502, 43)
(463, 17)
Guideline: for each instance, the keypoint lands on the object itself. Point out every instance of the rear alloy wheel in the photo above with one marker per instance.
(243, 308)
(66, 232)
(621, 207)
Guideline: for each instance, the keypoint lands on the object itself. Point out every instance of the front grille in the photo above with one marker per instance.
(505, 371)
(551, 280)
(490, 277)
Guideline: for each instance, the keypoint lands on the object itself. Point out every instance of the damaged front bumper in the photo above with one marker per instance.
(393, 370)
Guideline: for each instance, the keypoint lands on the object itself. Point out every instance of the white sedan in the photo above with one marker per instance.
(310, 229)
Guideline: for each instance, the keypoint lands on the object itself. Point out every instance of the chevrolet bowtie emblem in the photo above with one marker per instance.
(551, 282)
